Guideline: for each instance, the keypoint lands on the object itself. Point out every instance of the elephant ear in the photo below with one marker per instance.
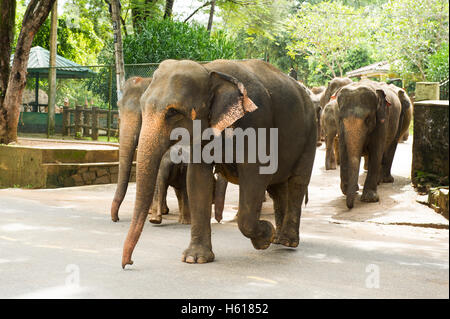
(229, 102)
(404, 100)
(384, 103)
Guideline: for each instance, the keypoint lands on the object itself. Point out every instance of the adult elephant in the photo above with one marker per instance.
(371, 121)
(221, 94)
(169, 173)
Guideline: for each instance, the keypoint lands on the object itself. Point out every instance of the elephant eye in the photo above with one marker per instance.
(172, 113)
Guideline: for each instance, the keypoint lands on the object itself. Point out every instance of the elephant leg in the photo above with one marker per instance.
(279, 194)
(199, 177)
(290, 229)
(386, 164)
(371, 183)
(159, 205)
(297, 189)
(219, 197)
(183, 205)
(252, 188)
(330, 160)
(336, 150)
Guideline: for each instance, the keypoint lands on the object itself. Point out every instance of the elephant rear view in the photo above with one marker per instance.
(371, 120)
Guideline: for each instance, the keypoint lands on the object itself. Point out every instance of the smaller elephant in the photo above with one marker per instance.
(330, 123)
(316, 94)
(174, 174)
(372, 118)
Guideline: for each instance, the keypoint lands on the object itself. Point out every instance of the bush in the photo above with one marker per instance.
(438, 64)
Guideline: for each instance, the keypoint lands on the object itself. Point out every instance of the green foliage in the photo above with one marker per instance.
(326, 32)
(409, 31)
(165, 39)
(438, 64)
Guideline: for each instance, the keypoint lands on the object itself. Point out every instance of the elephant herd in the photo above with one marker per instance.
(367, 117)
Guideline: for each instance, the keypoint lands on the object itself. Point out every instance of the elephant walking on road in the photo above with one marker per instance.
(248, 95)
(372, 118)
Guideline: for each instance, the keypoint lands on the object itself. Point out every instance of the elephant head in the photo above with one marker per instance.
(333, 86)
(180, 92)
(363, 108)
(130, 126)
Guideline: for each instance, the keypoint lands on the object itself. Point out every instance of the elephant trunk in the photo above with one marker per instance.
(151, 149)
(130, 126)
(353, 138)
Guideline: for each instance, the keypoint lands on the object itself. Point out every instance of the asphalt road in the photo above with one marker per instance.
(61, 243)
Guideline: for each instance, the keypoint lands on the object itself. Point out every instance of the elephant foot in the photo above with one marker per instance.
(155, 219)
(185, 220)
(318, 143)
(388, 179)
(288, 239)
(369, 196)
(115, 211)
(264, 241)
(197, 254)
(350, 200)
(165, 211)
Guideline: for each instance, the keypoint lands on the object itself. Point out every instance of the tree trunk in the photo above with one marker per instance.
(7, 17)
(36, 13)
(118, 49)
(52, 71)
(168, 9)
(211, 15)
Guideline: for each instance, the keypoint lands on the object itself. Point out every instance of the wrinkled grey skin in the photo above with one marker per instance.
(221, 94)
(330, 122)
(371, 121)
(168, 174)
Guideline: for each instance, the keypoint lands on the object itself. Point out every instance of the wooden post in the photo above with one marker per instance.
(94, 120)
(87, 121)
(109, 103)
(52, 71)
(78, 120)
(66, 121)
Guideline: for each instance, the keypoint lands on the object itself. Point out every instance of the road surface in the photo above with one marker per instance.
(61, 243)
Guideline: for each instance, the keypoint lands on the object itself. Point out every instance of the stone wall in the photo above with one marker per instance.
(68, 175)
(430, 143)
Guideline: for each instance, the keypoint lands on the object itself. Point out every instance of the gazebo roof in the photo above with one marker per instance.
(371, 70)
(39, 61)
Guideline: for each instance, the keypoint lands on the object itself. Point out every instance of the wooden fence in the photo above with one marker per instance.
(86, 122)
